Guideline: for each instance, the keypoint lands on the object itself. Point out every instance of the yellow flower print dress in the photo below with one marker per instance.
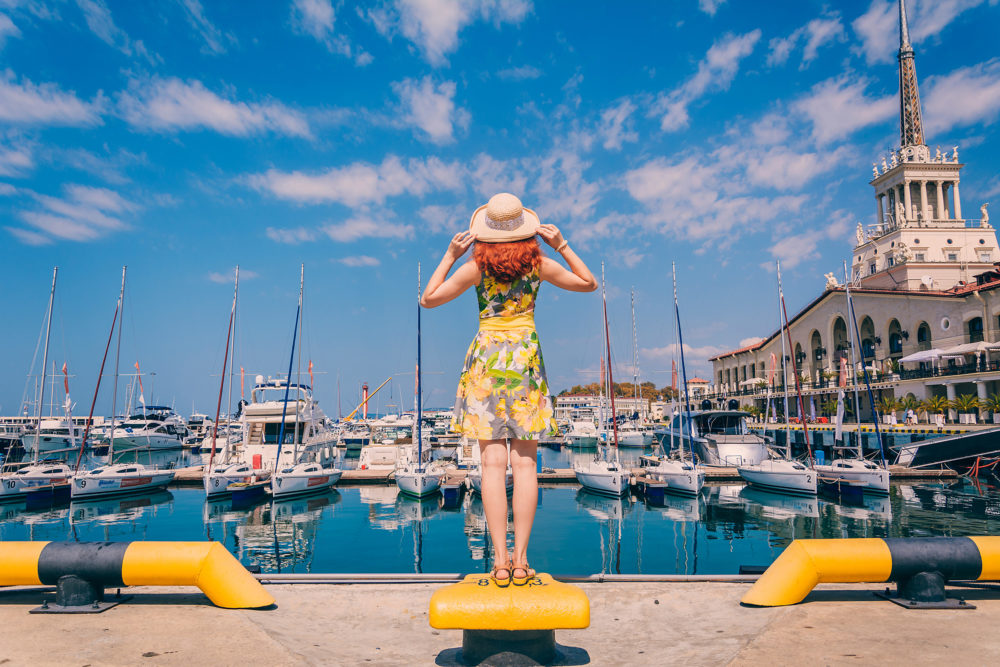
(502, 392)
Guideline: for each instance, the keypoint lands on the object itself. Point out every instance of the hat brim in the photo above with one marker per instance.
(483, 233)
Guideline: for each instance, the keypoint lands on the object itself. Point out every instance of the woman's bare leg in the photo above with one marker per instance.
(494, 493)
(523, 460)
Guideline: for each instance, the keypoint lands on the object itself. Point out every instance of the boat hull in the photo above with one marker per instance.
(295, 484)
(780, 478)
(133, 441)
(679, 478)
(418, 484)
(613, 482)
(875, 481)
(94, 487)
(217, 481)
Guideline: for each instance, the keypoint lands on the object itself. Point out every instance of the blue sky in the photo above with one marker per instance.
(184, 137)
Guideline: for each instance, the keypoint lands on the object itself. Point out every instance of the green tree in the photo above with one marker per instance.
(992, 403)
(935, 405)
(965, 404)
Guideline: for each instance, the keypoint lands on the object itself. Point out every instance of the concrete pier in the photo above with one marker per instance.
(382, 624)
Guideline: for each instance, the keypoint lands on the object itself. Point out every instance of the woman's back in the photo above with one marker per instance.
(497, 299)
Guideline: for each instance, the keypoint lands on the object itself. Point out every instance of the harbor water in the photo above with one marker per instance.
(373, 528)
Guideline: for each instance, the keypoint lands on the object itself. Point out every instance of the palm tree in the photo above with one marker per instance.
(909, 402)
(829, 407)
(887, 405)
(934, 405)
(993, 405)
(965, 404)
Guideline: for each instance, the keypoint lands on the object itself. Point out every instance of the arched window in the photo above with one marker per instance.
(867, 338)
(975, 329)
(895, 338)
(924, 336)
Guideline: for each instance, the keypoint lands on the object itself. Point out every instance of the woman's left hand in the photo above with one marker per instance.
(551, 235)
(459, 244)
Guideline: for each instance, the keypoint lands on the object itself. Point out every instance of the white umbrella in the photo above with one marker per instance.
(923, 355)
(753, 382)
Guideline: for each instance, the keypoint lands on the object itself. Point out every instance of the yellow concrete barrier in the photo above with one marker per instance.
(805, 563)
(207, 565)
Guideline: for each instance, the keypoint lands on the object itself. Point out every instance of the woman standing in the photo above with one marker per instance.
(502, 393)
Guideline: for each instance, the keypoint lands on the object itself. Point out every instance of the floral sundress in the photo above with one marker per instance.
(502, 392)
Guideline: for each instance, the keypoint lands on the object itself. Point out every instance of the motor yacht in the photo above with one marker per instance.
(717, 437)
(581, 434)
(154, 427)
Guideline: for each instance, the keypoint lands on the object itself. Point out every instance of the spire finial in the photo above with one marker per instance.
(904, 32)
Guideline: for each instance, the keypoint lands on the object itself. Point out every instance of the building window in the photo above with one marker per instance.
(976, 330)
(868, 348)
(952, 256)
(923, 337)
(919, 257)
(985, 257)
(891, 262)
(895, 343)
(871, 268)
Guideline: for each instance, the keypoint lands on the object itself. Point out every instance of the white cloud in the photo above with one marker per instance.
(15, 160)
(522, 73)
(44, 104)
(433, 25)
(785, 169)
(317, 18)
(562, 190)
(627, 257)
(28, 237)
(710, 6)
(878, 28)
(615, 127)
(215, 40)
(963, 97)
(451, 219)
(752, 340)
(290, 236)
(838, 107)
(83, 214)
(7, 190)
(793, 249)
(365, 227)
(358, 261)
(99, 20)
(695, 358)
(225, 278)
(431, 108)
(716, 71)
(361, 183)
(172, 105)
(816, 33)
(7, 29)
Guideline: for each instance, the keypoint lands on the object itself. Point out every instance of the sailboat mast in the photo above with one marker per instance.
(298, 369)
(288, 385)
(854, 379)
(118, 352)
(868, 384)
(798, 387)
(100, 374)
(419, 399)
(45, 362)
(635, 353)
(232, 359)
(222, 382)
(611, 377)
(684, 376)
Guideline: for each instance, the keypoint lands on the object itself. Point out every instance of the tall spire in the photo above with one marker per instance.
(911, 127)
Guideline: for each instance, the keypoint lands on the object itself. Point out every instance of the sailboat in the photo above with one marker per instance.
(310, 471)
(680, 475)
(14, 484)
(219, 475)
(873, 477)
(116, 478)
(412, 477)
(601, 475)
(784, 474)
(630, 434)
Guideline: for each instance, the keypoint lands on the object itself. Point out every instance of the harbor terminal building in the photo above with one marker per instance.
(925, 280)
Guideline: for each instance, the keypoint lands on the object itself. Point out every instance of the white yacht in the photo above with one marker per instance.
(54, 435)
(219, 476)
(607, 477)
(355, 435)
(581, 434)
(306, 436)
(302, 478)
(154, 427)
(720, 437)
(781, 475)
(16, 483)
(119, 478)
(679, 475)
(873, 476)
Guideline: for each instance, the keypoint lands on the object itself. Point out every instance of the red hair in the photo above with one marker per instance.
(506, 262)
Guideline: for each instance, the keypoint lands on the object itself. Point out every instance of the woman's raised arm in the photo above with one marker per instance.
(441, 289)
(578, 278)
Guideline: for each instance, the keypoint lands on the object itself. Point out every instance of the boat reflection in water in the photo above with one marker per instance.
(778, 505)
(414, 511)
(680, 508)
(474, 527)
(281, 536)
(117, 510)
(381, 502)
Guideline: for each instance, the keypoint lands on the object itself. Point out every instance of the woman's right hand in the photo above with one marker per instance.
(459, 244)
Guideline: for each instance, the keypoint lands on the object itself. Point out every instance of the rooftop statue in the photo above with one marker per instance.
(831, 281)
(955, 156)
(900, 214)
(984, 215)
(937, 154)
(874, 170)
(895, 160)
(885, 167)
(859, 233)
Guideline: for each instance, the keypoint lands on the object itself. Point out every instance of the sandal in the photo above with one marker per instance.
(502, 582)
(528, 574)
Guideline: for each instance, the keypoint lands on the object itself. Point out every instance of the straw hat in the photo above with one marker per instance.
(503, 219)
